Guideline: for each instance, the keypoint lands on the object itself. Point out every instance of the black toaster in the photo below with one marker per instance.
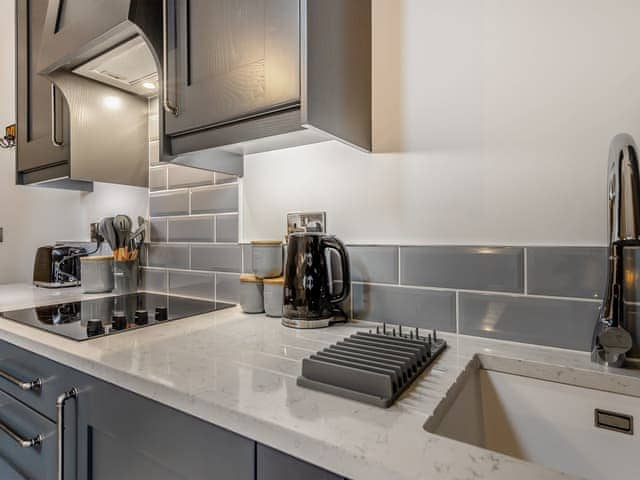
(57, 266)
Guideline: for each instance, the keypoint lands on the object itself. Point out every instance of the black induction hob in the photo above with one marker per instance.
(98, 317)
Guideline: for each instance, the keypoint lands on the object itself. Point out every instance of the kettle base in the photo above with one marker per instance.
(305, 324)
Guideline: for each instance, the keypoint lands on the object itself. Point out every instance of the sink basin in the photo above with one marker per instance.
(541, 421)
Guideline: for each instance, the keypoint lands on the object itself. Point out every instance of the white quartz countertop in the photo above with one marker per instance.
(239, 371)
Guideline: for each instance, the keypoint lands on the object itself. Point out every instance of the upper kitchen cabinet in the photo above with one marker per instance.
(102, 57)
(42, 113)
(244, 76)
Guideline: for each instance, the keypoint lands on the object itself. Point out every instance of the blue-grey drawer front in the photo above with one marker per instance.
(27, 366)
(33, 462)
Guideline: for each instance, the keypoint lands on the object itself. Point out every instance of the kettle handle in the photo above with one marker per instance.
(337, 245)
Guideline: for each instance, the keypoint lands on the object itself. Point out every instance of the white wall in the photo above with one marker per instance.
(502, 111)
(33, 216)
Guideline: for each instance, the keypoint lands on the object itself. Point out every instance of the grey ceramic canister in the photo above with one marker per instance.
(251, 294)
(266, 257)
(273, 296)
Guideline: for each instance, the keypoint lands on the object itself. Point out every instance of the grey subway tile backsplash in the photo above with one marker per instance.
(192, 284)
(228, 287)
(217, 258)
(227, 228)
(374, 264)
(499, 269)
(167, 204)
(157, 179)
(545, 321)
(417, 307)
(154, 280)
(191, 229)
(566, 271)
(222, 199)
(169, 256)
(180, 177)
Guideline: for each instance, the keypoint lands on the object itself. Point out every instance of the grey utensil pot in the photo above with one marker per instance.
(96, 274)
(125, 276)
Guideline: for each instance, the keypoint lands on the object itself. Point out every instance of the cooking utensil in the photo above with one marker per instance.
(108, 232)
(122, 224)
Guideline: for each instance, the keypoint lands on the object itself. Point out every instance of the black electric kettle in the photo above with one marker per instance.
(309, 300)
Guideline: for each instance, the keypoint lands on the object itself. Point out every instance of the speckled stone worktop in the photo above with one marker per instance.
(239, 371)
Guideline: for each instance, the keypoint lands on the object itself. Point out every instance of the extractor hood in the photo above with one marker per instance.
(102, 57)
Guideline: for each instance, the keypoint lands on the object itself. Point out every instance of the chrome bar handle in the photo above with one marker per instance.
(54, 141)
(166, 104)
(23, 442)
(60, 403)
(34, 384)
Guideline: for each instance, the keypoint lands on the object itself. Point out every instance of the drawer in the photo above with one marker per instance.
(20, 423)
(274, 465)
(18, 365)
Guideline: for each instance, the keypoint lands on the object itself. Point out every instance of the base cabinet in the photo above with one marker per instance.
(113, 434)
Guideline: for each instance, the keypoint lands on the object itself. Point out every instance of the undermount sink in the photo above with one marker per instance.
(542, 421)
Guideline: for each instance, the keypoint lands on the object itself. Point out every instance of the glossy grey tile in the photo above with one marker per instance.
(192, 284)
(169, 256)
(216, 258)
(499, 269)
(403, 305)
(566, 271)
(174, 203)
(154, 153)
(216, 200)
(188, 177)
(375, 264)
(228, 287)
(158, 230)
(191, 229)
(157, 179)
(227, 228)
(553, 322)
(247, 259)
(154, 280)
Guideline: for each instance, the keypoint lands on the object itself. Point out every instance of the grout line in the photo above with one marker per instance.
(457, 311)
(399, 266)
(196, 215)
(483, 292)
(186, 270)
(526, 271)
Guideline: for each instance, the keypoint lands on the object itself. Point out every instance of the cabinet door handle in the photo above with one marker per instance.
(34, 384)
(168, 107)
(54, 141)
(60, 403)
(23, 442)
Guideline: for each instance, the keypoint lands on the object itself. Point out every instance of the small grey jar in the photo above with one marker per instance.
(251, 294)
(266, 257)
(273, 296)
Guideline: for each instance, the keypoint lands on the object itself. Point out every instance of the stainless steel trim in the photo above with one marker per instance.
(60, 403)
(23, 442)
(306, 324)
(54, 141)
(34, 384)
(614, 421)
(165, 58)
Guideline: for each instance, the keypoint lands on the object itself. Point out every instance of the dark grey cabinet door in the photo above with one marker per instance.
(274, 465)
(42, 133)
(124, 436)
(231, 60)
